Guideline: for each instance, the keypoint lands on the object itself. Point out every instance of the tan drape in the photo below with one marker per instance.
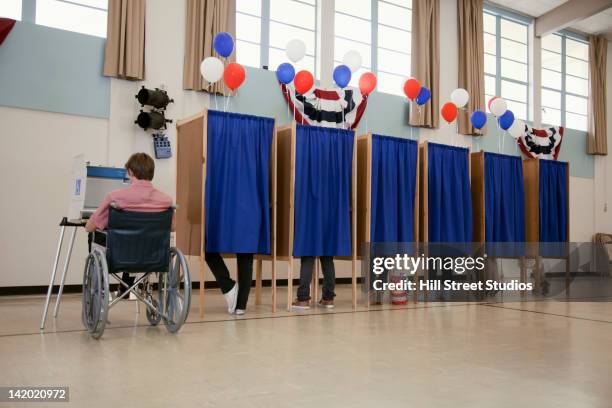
(471, 62)
(125, 39)
(596, 139)
(205, 18)
(425, 59)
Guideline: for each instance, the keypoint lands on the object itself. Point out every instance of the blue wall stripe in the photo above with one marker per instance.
(54, 70)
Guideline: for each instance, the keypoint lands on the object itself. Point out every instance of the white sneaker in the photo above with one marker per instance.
(239, 312)
(230, 298)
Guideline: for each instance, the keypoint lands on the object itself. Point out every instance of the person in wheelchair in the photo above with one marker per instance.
(140, 196)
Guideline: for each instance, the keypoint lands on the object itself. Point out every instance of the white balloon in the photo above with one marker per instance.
(352, 59)
(212, 69)
(460, 97)
(517, 129)
(296, 49)
(498, 107)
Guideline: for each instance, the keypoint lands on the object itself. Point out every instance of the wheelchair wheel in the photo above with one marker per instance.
(175, 292)
(153, 317)
(95, 293)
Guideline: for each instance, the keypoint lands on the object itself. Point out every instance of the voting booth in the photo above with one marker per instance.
(316, 202)
(445, 200)
(387, 195)
(226, 189)
(498, 197)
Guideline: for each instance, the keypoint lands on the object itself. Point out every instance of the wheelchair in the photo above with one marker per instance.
(136, 243)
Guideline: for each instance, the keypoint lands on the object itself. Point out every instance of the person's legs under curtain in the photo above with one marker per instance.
(329, 277)
(245, 278)
(307, 263)
(220, 271)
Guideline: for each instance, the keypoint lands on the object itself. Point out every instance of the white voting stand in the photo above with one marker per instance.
(82, 203)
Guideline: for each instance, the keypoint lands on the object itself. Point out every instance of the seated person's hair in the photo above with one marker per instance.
(141, 165)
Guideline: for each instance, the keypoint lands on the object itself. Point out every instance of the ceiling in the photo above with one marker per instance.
(599, 23)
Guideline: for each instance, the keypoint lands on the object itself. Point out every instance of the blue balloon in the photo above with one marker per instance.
(342, 75)
(506, 120)
(223, 44)
(285, 73)
(423, 96)
(478, 119)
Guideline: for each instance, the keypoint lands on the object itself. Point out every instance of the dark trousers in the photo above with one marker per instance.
(100, 239)
(226, 283)
(329, 277)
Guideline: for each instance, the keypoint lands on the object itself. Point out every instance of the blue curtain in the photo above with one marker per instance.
(323, 168)
(553, 201)
(394, 165)
(237, 183)
(449, 196)
(504, 205)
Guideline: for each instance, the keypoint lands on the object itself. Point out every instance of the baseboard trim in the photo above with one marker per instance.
(41, 290)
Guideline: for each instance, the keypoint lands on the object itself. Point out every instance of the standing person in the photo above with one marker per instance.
(329, 282)
(236, 294)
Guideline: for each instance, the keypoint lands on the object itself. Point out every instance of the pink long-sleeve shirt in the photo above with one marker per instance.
(140, 196)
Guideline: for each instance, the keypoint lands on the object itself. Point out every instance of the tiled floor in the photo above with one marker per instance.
(530, 354)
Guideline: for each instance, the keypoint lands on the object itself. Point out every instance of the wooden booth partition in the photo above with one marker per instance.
(191, 145)
(364, 197)
(285, 205)
(477, 175)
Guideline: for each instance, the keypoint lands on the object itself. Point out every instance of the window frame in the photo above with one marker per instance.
(264, 44)
(499, 15)
(374, 47)
(565, 34)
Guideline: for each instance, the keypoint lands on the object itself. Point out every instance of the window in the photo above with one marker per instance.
(10, 9)
(565, 81)
(263, 28)
(81, 16)
(506, 60)
(380, 32)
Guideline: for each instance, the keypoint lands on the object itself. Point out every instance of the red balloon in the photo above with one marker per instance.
(412, 87)
(233, 75)
(367, 83)
(491, 101)
(303, 81)
(449, 111)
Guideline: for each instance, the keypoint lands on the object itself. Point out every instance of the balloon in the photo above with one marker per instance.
(303, 81)
(233, 76)
(352, 59)
(517, 129)
(498, 107)
(478, 119)
(342, 75)
(285, 73)
(295, 49)
(367, 83)
(412, 87)
(211, 69)
(423, 96)
(449, 111)
(223, 44)
(506, 120)
(491, 101)
(460, 97)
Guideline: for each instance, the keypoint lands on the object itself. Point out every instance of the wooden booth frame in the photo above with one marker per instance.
(191, 145)
(285, 204)
(364, 198)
